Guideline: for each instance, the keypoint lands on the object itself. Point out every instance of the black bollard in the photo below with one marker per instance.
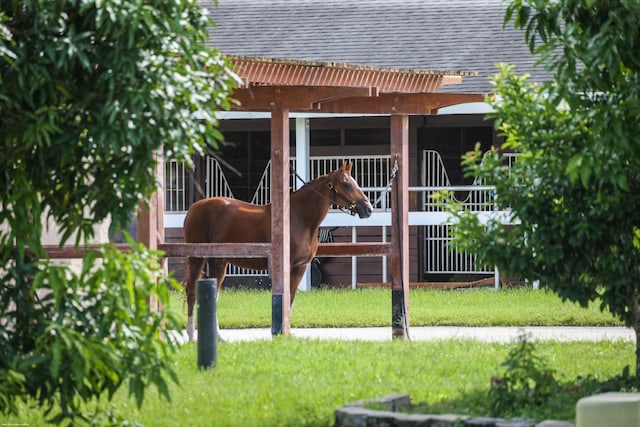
(207, 327)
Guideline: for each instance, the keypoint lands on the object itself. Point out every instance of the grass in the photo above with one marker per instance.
(372, 307)
(298, 382)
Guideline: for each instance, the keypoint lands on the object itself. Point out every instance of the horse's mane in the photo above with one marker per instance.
(313, 182)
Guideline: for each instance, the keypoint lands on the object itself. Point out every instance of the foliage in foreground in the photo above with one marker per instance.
(297, 382)
(90, 93)
(574, 190)
(527, 386)
(95, 332)
(526, 381)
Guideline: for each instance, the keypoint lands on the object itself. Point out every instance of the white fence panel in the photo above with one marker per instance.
(372, 173)
(216, 184)
(175, 186)
(178, 176)
(439, 254)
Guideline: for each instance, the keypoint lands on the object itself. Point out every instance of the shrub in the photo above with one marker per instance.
(525, 382)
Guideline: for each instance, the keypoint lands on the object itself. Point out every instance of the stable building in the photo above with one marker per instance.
(449, 47)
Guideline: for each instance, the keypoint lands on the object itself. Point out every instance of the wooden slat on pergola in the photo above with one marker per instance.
(284, 86)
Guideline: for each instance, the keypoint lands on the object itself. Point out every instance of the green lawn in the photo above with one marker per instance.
(296, 382)
(372, 307)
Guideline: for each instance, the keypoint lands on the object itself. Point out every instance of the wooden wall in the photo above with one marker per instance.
(337, 271)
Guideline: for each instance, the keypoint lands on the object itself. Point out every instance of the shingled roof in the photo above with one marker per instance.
(444, 35)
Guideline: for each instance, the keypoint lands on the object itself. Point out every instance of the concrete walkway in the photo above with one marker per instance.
(429, 333)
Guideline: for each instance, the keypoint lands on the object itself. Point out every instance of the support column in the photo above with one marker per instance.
(302, 169)
(160, 176)
(399, 259)
(150, 217)
(148, 223)
(279, 261)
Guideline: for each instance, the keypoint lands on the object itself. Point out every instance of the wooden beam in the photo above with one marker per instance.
(398, 103)
(354, 249)
(280, 265)
(303, 98)
(70, 252)
(399, 259)
(239, 250)
(205, 250)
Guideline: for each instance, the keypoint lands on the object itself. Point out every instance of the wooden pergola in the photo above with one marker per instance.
(284, 86)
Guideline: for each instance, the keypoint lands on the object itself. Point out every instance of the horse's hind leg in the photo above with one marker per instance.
(194, 269)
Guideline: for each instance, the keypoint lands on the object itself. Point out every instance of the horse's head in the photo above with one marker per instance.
(347, 193)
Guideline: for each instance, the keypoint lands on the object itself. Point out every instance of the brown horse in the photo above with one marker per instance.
(224, 220)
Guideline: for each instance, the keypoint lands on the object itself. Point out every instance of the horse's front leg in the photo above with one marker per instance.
(295, 276)
(194, 269)
(218, 270)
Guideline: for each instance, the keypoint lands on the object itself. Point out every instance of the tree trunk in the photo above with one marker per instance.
(636, 329)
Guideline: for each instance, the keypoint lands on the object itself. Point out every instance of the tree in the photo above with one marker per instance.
(90, 92)
(574, 190)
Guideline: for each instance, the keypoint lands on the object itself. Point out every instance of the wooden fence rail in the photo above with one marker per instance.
(245, 250)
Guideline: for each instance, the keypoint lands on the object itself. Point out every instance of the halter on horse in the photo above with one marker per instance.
(224, 220)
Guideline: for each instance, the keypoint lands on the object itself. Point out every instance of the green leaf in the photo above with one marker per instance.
(85, 113)
(56, 351)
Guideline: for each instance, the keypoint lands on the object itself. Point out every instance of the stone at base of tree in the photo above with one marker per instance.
(388, 402)
(516, 423)
(358, 414)
(555, 423)
(483, 422)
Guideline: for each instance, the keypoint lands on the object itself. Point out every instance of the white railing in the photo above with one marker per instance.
(216, 183)
(372, 174)
(475, 197)
(175, 187)
(439, 254)
(177, 180)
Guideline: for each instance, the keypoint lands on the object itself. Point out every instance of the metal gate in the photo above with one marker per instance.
(440, 255)
(175, 187)
(178, 177)
(371, 173)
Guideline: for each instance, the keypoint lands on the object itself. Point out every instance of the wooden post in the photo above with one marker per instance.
(151, 221)
(147, 223)
(147, 233)
(280, 221)
(399, 259)
(160, 176)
